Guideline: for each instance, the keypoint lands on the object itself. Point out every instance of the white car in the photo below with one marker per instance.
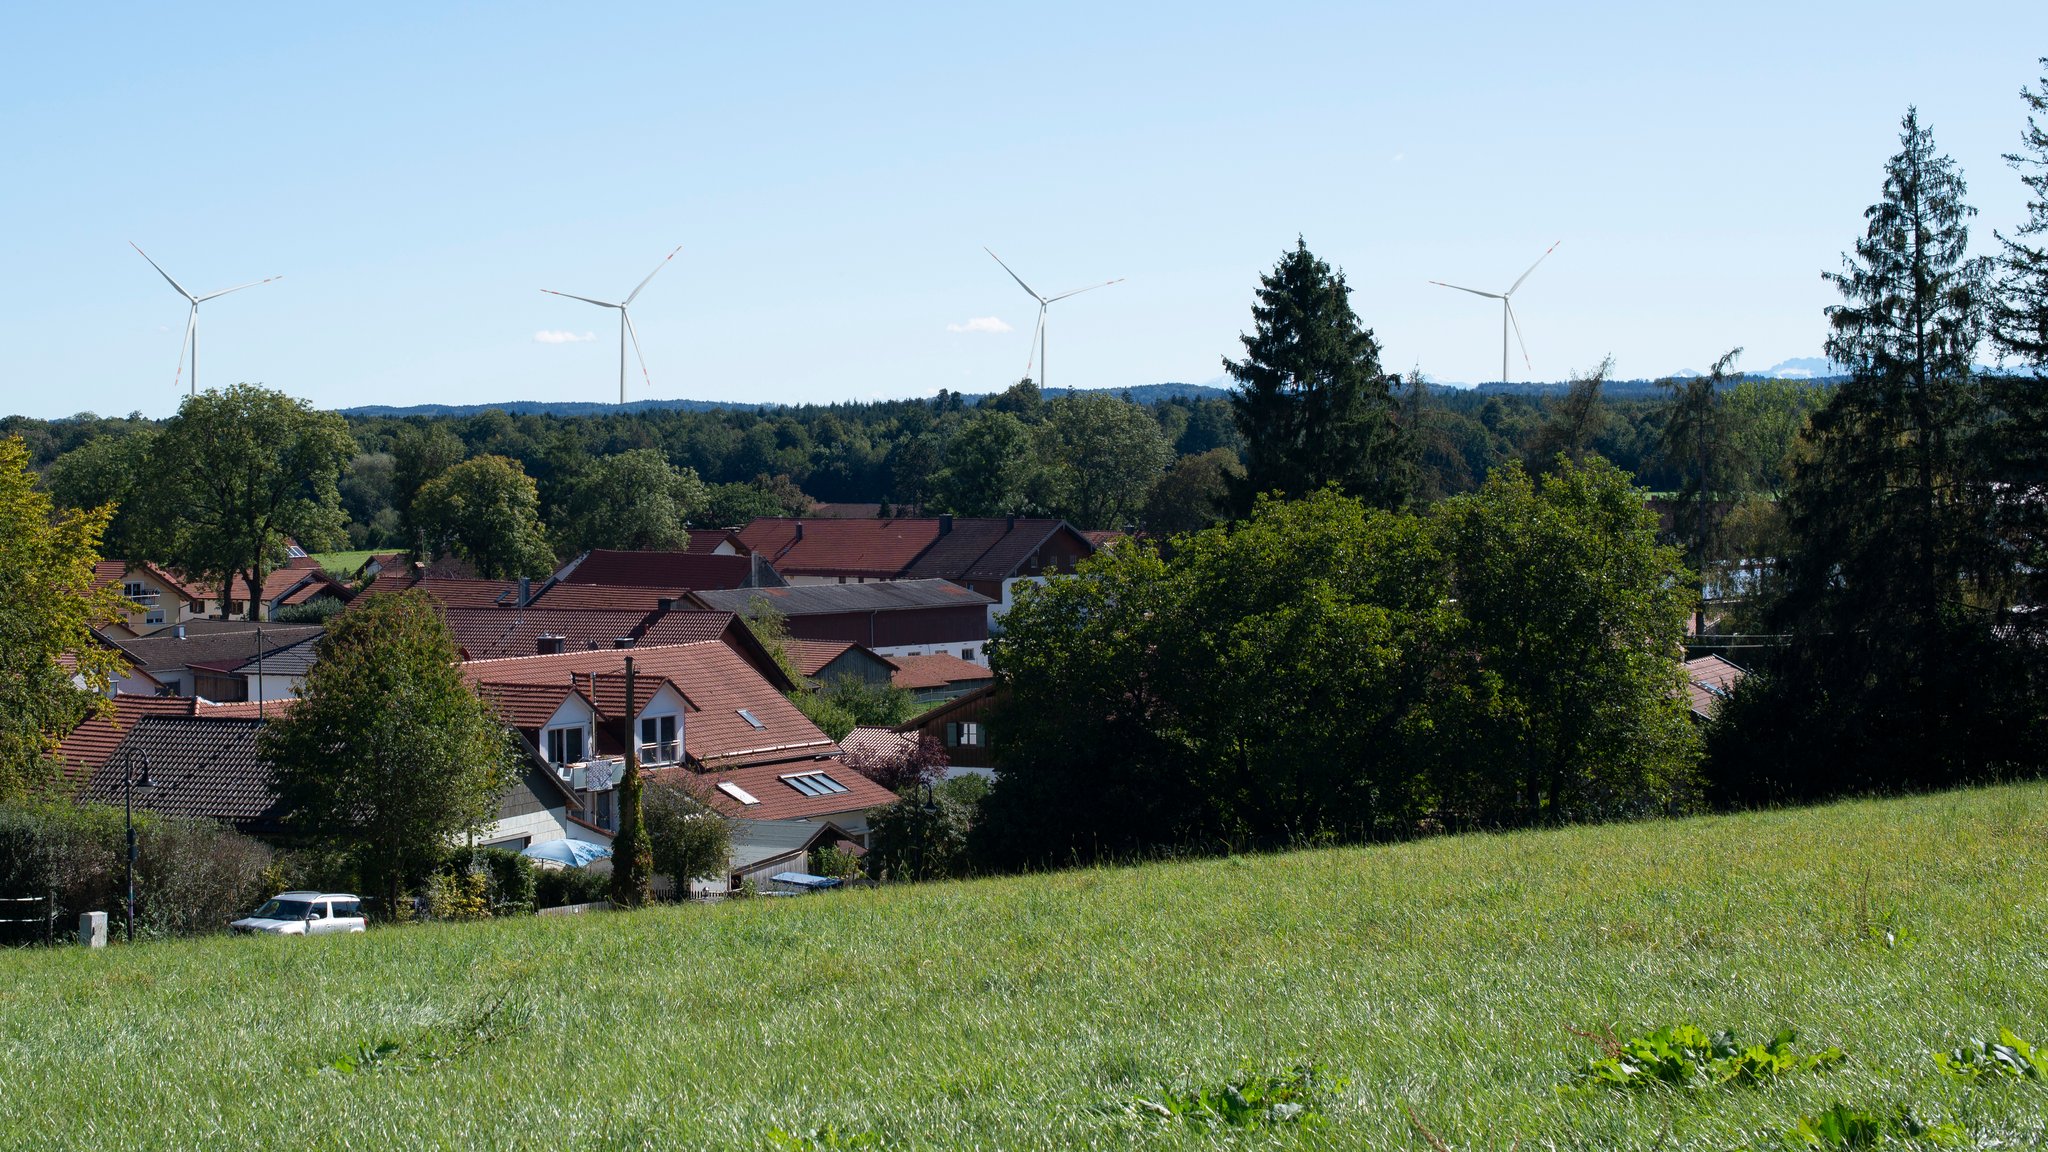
(304, 914)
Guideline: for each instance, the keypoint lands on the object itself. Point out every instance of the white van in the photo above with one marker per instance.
(304, 914)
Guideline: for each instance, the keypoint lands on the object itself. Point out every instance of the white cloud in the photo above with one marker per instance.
(980, 324)
(550, 336)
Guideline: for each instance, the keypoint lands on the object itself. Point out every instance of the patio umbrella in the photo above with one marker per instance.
(571, 853)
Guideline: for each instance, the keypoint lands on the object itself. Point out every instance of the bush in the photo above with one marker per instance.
(314, 611)
(560, 887)
(476, 883)
(690, 839)
(918, 838)
(191, 876)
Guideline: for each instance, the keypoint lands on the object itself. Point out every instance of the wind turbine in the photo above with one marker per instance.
(1507, 312)
(625, 322)
(1044, 302)
(192, 321)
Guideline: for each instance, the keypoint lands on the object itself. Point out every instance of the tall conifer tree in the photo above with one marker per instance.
(1313, 404)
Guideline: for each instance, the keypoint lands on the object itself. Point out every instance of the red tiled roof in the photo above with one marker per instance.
(939, 670)
(811, 656)
(779, 801)
(688, 626)
(606, 597)
(493, 633)
(987, 547)
(881, 745)
(527, 705)
(879, 548)
(1709, 680)
(89, 744)
(666, 570)
(275, 584)
(709, 539)
(451, 591)
(715, 680)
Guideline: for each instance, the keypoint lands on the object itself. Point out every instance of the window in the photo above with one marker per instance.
(814, 784)
(139, 592)
(966, 734)
(967, 653)
(750, 718)
(351, 907)
(156, 616)
(658, 739)
(565, 745)
(738, 793)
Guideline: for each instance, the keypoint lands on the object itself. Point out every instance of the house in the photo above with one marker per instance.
(219, 657)
(890, 618)
(824, 661)
(717, 542)
(209, 765)
(939, 676)
(698, 708)
(298, 581)
(156, 598)
(270, 674)
(762, 848)
(961, 725)
(693, 570)
(89, 745)
(989, 554)
(494, 634)
(1708, 681)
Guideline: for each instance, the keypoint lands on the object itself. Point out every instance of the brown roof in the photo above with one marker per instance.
(715, 680)
(106, 572)
(528, 706)
(665, 570)
(218, 649)
(605, 597)
(452, 591)
(990, 547)
(879, 548)
(936, 671)
(778, 800)
(1709, 680)
(493, 633)
(709, 539)
(201, 766)
(811, 656)
(882, 745)
(89, 744)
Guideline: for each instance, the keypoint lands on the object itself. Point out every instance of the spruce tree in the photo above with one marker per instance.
(1891, 672)
(1312, 402)
(2019, 440)
(1700, 442)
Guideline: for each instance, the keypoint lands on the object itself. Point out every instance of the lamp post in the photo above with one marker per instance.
(129, 783)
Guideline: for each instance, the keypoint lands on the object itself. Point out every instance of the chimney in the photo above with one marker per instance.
(548, 643)
(525, 590)
(945, 524)
(1013, 521)
(623, 642)
(799, 529)
(179, 632)
(665, 604)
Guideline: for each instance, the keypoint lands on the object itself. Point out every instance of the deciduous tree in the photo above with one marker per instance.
(633, 500)
(486, 510)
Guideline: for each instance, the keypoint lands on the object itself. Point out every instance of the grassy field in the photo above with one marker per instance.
(1445, 976)
(346, 562)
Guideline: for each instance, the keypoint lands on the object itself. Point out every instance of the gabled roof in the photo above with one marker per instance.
(163, 650)
(494, 633)
(528, 706)
(108, 572)
(877, 548)
(291, 660)
(666, 570)
(89, 744)
(206, 767)
(990, 548)
(1710, 680)
(756, 842)
(951, 707)
(452, 591)
(826, 599)
(940, 670)
(811, 656)
(714, 679)
(777, 799)
(606, 597)
(880, 745)
(710, 540)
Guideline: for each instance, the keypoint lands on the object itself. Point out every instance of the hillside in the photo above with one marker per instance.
(1141, 393)
(1446, 975)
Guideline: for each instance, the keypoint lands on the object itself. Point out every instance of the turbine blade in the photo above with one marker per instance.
(160, 270)
(1013, 275)
(630, 331)
(585, 299)
(237, 288)
(1090, 288)
(1474, 291)
(657, 268)
(1532, 267)
(1517, 324)
(190, 320)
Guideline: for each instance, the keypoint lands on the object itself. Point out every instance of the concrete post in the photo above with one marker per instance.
(92, 929)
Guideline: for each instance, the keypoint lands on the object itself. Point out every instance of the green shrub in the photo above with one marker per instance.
(315, 611)
(191, 876)
(560, 887)
(2007, 1057)
(689, 838)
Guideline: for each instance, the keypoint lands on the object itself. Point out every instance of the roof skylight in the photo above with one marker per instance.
(814, 784)
(750, 718)
(738, 793)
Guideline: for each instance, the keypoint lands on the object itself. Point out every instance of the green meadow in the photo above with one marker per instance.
(1440, 985)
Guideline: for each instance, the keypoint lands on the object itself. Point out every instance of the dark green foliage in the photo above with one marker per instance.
(510, 887)
(1844, 1127)
(191, 876)
(1573, 425)
(558, 887)
(687, 838)
(843, 703)
(923, 836)
(2006, 1058)
(1892, 590)
(1193, 494)
(1685, 1056)
(2020, 312)
(318, 610)
(1250, 1099)
(633, 500)
(1324, 670)
(487, 511)
(388, 752)
(1312, 403)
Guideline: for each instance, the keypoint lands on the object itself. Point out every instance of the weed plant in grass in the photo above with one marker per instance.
(1446, 976)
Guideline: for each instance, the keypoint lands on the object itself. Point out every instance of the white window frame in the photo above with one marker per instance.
(659, 748)
(555, 743)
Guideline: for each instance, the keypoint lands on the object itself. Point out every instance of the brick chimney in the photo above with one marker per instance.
(945, 524)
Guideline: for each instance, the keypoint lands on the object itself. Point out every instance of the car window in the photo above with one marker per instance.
(349, 908)
(282, 910)
(317, 912)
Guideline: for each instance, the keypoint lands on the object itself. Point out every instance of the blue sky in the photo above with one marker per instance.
(833, 172)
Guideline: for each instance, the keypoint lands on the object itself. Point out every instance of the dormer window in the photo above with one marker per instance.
(565, 745)
(658, 740)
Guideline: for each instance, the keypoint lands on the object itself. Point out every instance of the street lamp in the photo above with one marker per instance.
(129, 783)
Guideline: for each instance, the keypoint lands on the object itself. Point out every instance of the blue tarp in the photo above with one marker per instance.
(805, 880)
(574, 853)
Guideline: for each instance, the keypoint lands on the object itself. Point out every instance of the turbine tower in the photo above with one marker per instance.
(1044, 302)
(1507, 312)
(625, 322)
(192, 320)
